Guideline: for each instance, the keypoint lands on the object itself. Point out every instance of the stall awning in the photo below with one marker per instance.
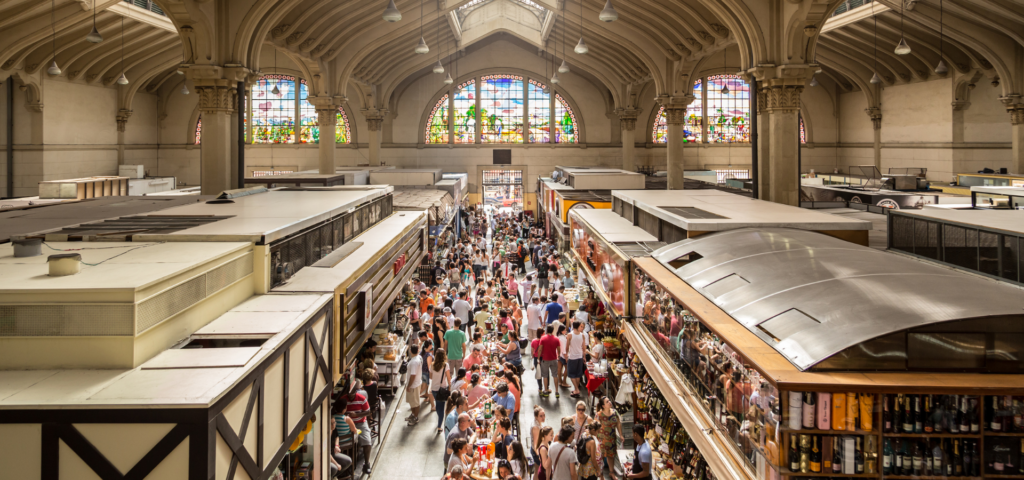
(810, 296)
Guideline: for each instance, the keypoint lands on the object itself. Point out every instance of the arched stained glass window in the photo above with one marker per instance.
(501, 109)
(803, 133)
(309, 127)
(437, 124)
(566, 128)
(540, 112)
(273, 115)
(342, 130)
(199, 129)
(728, 113)
(464, 108)
(694, 119)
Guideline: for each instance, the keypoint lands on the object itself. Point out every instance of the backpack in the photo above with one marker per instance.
(582, 456)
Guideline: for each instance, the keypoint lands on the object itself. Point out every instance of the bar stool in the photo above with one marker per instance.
(349, 447)
(373, 419)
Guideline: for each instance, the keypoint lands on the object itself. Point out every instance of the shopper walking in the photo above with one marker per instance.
(609, 435)
(412, 392)
(440, 385)
(577, 342)
(563, 463)
(549, 348)
(455, 345)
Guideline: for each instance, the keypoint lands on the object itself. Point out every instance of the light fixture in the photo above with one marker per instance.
(581, 47)
(391, 14)
(902, 48)
(458, 90)
(94, 36)
(564, 68)
(448, 79)
(725, 65)
(184, 88)
(941, 68)
(122, 80)
(438, 68)
(547, 90)
(275, 90)
(875, 79)
(814, 82)
(422, 48)
(608, 14)
(725, 89)
(54, 69)
(554, 79)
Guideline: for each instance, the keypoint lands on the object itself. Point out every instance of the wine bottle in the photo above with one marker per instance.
(953, 413)
(886, 414)
(1007, 417)
(994, 414)
(949, 461)
(837, 457)
(897, 413)
(918, 460)
(1020, 467)
(939, 413)
(908, 461)
(815, 455)
(975, 426)
(958, 461)
(908, 415)
(794, 454)
(1018, 418)
(936, 457)
(975, 459)
(918, 415)
(897, 466)
(858, 457)
(887, 454)
(808, 410)
(968, 460)
(929, 425)
(998, 462)
(965, 418)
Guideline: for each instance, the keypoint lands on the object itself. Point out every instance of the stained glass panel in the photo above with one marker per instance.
(501, 108)
(465, 112)
(540, 113)
(199, 129)
(437, 123)
(694, 119)
(566, 129)
(309, 128)
(660, 132)
(803, 133)
(342, 130)
(728, 113)
(273, 115)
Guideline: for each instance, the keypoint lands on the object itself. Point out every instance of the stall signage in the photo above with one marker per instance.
(365, 302)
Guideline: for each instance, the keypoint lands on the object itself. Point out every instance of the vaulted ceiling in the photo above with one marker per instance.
(657, 42)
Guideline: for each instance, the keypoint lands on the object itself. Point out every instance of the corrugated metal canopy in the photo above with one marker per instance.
(810, 296)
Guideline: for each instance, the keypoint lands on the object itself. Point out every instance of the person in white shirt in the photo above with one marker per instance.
(447, 314)
(562, 358)
(563, 456)
(506, 268)
(412, 392)
(583, 317)
(560, 293)
(578, 341)
(527, 287)
(462, 310)
(533, 315)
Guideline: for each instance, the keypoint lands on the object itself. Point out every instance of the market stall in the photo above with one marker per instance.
(441, 214)
(799, 355)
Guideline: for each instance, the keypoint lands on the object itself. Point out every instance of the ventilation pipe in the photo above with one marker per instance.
(64, 264)
(27, 247)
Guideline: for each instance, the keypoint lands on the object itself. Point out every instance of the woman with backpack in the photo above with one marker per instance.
(588, 453)
(546, 435)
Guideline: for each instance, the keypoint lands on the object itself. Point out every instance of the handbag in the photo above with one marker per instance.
(445, 392)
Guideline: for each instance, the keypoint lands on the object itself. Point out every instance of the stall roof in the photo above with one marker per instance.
(436, 202)
(1009, 221)
(192, 378)
(810, 296)
(548, 182)
(1015, 191)
(374, 242)
(271, 215)
(42, 218)
(714, 210)
(613, 227)
(587, 195)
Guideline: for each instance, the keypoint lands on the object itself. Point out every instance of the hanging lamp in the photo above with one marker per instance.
(581, 47)
(725, 64)
(941, 68)
(814, 81)
(564, 68)
(422, 47)
(554, 78)
(54, 69)
(545, 88)
(448, 77)
(438, 68)
(275, 90)
(608, 14)
(94, 36)
(902, 48)
(875, 79)
(122, 80)
(184, 88)
(391, 14)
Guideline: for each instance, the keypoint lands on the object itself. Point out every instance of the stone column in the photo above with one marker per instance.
(374, 124)
(217, 102)
(675, 117)
(122, 123)
(1017, 138)
(876, 123)
(782, 96)
(764, 141)
(627, 122)
(327, 121)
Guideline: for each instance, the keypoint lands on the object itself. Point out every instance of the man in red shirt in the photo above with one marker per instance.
(548, 350)
(358, 409)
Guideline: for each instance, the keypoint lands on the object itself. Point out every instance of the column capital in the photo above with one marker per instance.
(219, 75)
(627, 118)
(327, 115)
(122, 119)
(374, 122)
(783, 74)
(217, 98)
(1016, 115)
(335, 101)
(780, 96)
(960, 105)
(876, 117)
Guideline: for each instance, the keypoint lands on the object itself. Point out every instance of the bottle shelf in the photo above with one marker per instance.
(803, 431)
(928, 477)
(787, 473)
(931, 435)
(1005, 434)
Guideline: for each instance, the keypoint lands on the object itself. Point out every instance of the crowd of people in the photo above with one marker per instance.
(473, 321)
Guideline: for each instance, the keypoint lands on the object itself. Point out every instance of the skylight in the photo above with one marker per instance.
(534, 7)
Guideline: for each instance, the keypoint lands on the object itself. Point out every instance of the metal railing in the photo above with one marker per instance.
(850, 5)
(147, 5)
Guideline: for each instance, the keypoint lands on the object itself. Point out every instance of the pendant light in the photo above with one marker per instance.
(391, 14)
(564, 68)
(546, 89)
(875, 79)
(725, 64)
(902, 48)
(184, 88)
(54, 69)
(608, 14)
(122, 80)
(422, 47)
(94, 36)
(438, 68)
(814, 81)
(448, 77)
(275, 90)
(581, 47)
(941, 68)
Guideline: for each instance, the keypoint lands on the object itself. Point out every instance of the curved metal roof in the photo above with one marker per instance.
(810, 296)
